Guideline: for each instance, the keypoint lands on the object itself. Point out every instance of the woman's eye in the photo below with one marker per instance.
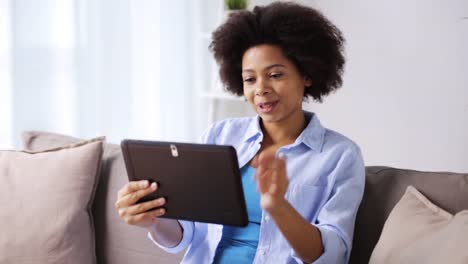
(276, 75)
(249, 79)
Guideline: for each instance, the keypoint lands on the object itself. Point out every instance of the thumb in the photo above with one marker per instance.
(254, 162)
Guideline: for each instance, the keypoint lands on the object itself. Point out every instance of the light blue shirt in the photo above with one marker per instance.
(326, 184)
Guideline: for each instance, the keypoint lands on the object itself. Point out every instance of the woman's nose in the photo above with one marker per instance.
(262, 88)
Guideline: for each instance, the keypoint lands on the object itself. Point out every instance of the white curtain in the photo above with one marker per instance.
(5, 76)
(119, 68)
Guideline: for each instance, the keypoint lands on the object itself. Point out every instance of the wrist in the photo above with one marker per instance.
(279, 207)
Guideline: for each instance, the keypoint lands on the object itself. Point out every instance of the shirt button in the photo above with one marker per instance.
(261, 252)
(267, 218)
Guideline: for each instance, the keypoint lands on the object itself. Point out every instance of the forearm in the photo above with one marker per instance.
(167, 232)
(304, 238)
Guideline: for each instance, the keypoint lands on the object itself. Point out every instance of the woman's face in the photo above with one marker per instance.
(272, 83)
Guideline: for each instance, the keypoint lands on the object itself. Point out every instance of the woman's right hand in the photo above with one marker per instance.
(142, 214)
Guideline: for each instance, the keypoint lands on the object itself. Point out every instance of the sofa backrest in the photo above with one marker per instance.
(119, 243)
(384, 188)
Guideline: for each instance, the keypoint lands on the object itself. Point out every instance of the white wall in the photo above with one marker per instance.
(405, 93)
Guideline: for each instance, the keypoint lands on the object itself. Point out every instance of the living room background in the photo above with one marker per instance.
(140, 69)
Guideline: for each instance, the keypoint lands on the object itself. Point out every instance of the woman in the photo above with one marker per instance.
(308, 180)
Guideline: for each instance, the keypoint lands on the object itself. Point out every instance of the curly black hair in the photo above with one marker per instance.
(305, 36)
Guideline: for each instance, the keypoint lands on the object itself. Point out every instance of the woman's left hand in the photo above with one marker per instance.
(272, 181)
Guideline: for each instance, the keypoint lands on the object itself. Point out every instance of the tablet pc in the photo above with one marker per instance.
(200, 182)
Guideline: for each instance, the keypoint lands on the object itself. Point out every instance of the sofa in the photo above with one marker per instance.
(119, 243)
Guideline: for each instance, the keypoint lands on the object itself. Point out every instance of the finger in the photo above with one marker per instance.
(281, 169)
(260, 184)
(271, 179)
(281, 161)
(273, 188)
(131, 187)
(143, 207)
(279, 178)
(263, 179)
(157, 213)
(259, 178)
(254, 162)
(145, 218)
(132, 198)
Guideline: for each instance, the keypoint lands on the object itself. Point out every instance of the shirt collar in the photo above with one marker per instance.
(312, 136)
(314, 133)
(253, 131)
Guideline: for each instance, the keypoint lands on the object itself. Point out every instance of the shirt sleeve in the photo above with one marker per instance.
(337, 217)
(209, 135)
(187, 236)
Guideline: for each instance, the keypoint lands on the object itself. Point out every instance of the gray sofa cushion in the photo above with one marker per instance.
(116, 242)
(384, 188)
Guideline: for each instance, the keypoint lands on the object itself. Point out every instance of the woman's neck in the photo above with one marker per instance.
(284, 132)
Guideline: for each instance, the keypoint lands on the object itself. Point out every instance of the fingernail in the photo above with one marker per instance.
(144, 183)
(153, 185)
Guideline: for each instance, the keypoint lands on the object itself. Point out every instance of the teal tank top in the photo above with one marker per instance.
(239, 244)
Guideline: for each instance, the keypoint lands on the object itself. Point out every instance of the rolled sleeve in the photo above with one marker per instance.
(337, 216)
(187, 236)
(334, 248)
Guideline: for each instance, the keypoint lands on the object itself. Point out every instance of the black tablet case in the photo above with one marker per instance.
(200, 182)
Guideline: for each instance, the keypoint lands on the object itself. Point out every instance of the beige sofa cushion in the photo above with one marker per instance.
(116, 242)
(384, 188)
(45, 204)
(417, 231)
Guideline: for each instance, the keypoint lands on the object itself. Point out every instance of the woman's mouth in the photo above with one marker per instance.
(267, 107)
